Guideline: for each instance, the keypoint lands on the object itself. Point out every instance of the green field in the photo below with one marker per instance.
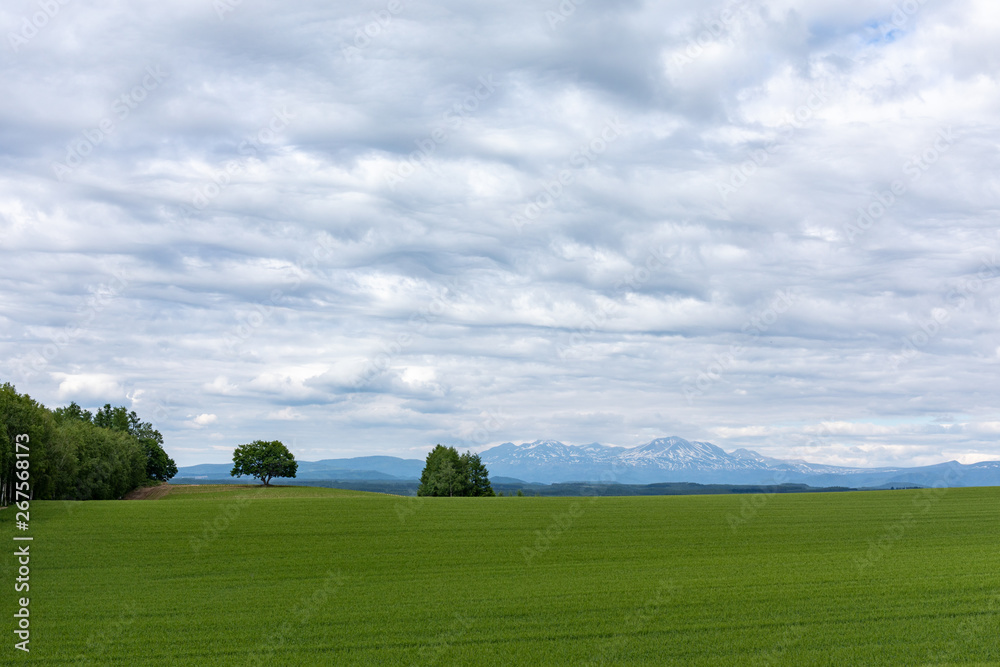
(302, 576)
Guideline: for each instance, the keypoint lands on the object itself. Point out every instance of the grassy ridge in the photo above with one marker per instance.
(313, 576)
(208, 492)
(409, 488)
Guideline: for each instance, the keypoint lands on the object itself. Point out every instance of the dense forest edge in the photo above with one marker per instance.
(77, 455)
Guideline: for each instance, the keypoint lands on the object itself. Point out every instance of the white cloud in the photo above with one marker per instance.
(286, 414)
(85, 387)
(850, 428)
(745, 431)
(305, 284)
(201, 421)
(991, 427)
(220, 385)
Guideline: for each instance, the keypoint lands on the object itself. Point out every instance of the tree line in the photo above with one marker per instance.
(77, 455)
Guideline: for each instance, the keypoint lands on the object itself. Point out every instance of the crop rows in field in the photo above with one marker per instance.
(296, 575)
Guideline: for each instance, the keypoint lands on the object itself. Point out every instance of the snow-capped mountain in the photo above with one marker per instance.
(661, 460)
(675, 459)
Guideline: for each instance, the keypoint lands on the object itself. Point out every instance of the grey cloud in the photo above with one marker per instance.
(286, 262)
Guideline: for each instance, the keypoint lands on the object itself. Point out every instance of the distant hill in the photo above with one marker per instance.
(510, 487)
(664, 460)
(674, 459)
(362, 467)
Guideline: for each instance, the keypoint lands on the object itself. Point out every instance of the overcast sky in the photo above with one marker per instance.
(369, 227)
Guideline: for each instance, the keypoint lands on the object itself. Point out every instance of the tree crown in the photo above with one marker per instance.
(446, 473)
(264, 460)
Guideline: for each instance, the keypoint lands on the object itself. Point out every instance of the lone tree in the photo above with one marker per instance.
(263, 460)
(448, 474)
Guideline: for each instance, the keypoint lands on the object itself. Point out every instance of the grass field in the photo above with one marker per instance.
(301, 576)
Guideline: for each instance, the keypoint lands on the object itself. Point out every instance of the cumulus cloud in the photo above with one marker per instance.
(88, 387)
(765, 224)
(201, 421)
(220, 385)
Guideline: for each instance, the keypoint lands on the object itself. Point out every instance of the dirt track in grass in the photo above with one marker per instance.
(148, 492)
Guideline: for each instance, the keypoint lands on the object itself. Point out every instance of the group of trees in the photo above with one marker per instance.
(446, 473)
(159, 466)
(76, 455)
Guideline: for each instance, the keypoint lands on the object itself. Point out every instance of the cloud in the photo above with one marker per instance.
(201, 421)
(286, 414)
(220, 385)
(396, 234)
(88, 387)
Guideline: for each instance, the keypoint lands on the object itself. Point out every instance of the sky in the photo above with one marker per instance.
(369, 227)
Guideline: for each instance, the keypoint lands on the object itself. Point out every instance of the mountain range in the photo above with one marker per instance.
(361, 467)
(677, 460)
(670, 459)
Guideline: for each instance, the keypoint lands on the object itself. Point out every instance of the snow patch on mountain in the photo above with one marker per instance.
(674, 459)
